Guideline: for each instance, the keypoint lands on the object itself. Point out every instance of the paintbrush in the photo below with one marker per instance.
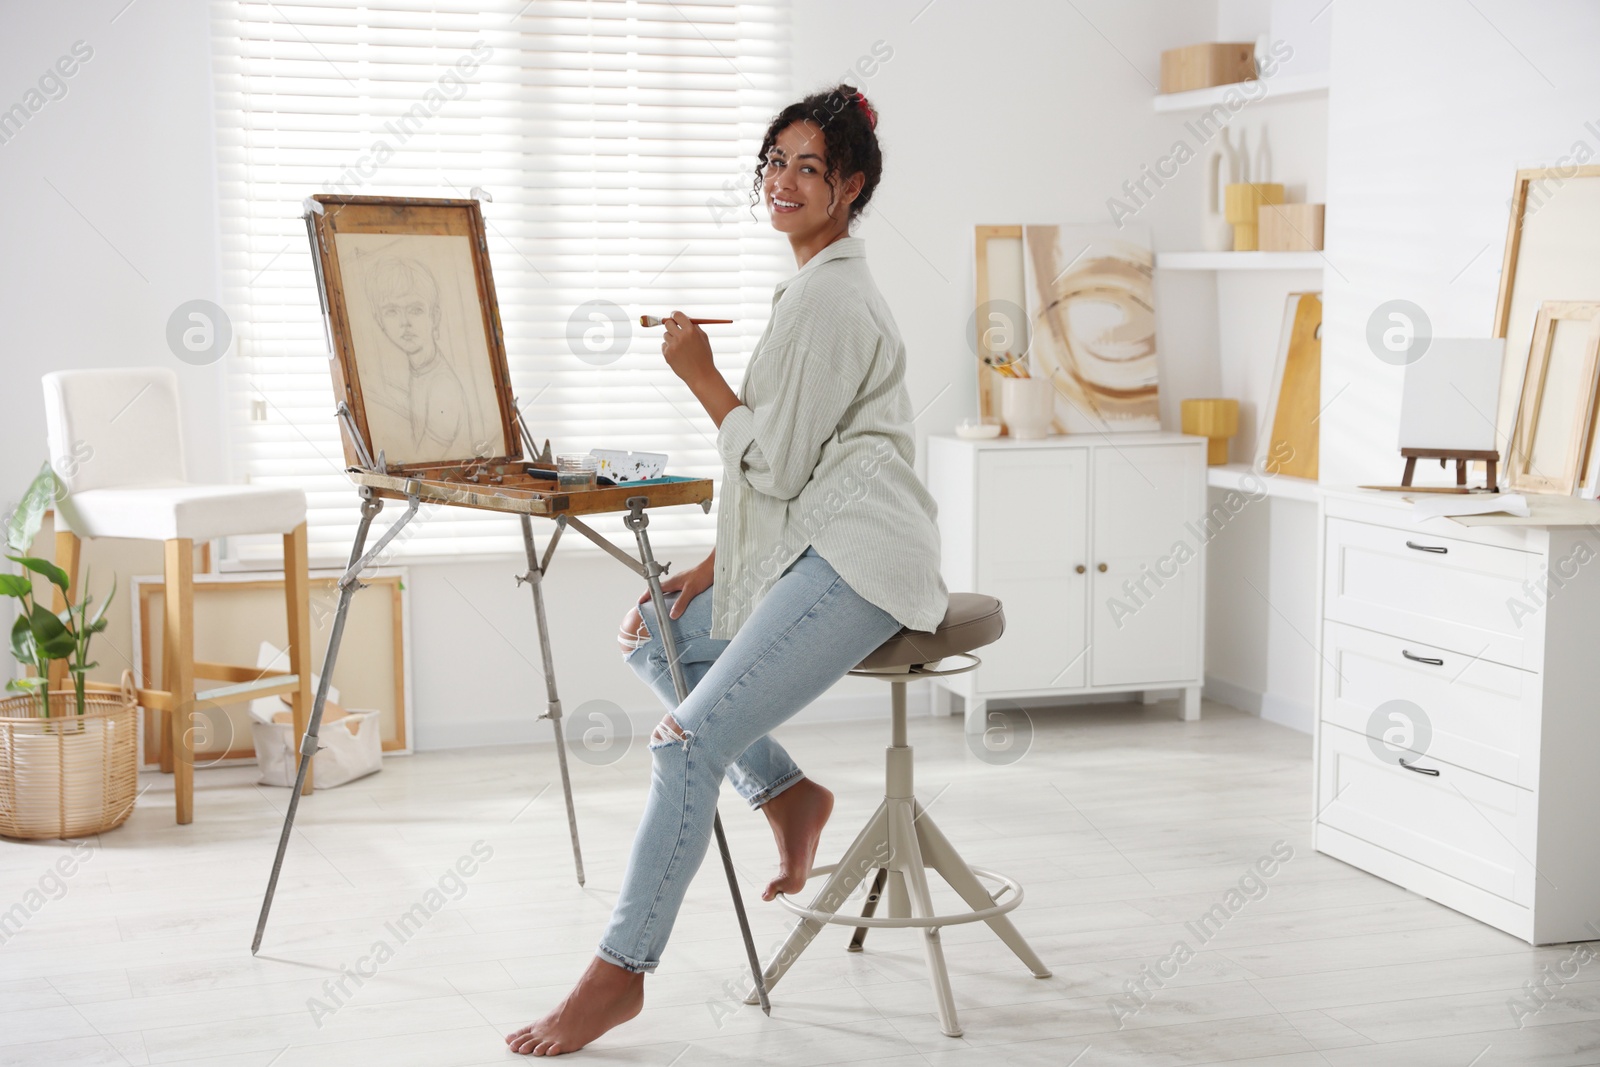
(651, 320)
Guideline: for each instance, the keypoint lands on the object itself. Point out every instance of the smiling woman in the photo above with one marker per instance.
(817, 452)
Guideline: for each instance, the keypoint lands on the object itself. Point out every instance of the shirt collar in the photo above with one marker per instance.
(843, 248)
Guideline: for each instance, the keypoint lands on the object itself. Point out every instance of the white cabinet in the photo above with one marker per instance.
(1477, 644)
(1095, 545)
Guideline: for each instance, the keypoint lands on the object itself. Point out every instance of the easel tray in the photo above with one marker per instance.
(522, 494)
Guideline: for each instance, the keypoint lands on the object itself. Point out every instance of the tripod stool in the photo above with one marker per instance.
(901, 839)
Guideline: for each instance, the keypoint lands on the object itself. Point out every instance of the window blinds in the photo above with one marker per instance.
(616, 139)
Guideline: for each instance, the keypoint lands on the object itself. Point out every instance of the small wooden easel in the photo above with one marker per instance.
(1489, 456)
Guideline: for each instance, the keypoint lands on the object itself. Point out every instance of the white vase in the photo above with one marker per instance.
(1216, 235)
(1027, 405)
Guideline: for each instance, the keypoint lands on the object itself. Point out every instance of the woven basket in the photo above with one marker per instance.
(68, 775)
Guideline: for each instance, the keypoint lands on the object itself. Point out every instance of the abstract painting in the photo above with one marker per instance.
(1091, 312)
(421, 353)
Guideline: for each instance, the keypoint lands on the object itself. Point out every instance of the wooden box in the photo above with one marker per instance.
(1199, 66)
(1289, 227)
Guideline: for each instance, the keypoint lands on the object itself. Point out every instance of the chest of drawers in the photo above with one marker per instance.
(1476, 651)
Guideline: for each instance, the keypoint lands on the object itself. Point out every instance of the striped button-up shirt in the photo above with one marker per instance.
(820, 451)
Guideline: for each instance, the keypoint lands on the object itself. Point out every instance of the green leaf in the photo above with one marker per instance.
(15, 585)
(22, 645)
(22, 525)
(97, 623)
(57, 576)
(53, 639)
(26, 685)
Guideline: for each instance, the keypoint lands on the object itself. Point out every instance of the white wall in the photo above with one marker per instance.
(110, 208)
(1001, 113)
(110, 218)
(1040, 117)
(1435, 104)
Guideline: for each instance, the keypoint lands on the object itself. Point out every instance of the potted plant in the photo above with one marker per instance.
(67, 758)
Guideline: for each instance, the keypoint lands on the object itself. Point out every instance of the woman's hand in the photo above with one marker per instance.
(690, 584)
(687, 349)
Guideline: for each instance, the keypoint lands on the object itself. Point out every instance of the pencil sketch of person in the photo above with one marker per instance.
(420, 380)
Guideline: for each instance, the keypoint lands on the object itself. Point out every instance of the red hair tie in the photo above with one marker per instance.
(872, 116)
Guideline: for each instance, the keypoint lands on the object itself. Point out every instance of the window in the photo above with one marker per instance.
(616, 139)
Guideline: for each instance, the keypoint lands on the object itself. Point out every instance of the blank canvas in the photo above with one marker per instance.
(1451, 395)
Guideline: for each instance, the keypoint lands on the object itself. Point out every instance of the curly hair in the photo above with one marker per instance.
(850, 137)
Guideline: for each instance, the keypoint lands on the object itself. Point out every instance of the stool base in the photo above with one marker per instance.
(900, 842)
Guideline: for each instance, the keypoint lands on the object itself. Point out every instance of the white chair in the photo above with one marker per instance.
(115, 442)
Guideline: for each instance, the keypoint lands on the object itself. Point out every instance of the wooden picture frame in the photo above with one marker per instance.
(378, 623)
(1552, 252)
(414, 329)
(997, 276)
(1550, 440)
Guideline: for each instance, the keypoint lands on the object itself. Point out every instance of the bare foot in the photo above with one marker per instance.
(797, 816)
(604, 997)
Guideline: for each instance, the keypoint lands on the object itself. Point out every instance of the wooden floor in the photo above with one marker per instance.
(1123, 823)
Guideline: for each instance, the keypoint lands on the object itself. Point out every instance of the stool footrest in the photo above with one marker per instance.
(1007, 884)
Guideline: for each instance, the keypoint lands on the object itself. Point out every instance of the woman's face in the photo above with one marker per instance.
(793, 186)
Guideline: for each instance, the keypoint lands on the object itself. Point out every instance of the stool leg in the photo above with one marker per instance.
(870, 849)
(868, 909)
(178, 652)
(297, 602)
(942, 857)
(908, 856)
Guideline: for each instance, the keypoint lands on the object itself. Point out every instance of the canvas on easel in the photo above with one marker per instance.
(419, 357)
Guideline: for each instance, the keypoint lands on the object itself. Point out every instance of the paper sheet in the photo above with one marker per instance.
(1438, 505)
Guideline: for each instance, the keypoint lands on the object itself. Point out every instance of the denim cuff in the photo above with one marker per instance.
(630, 965)
(775, 788)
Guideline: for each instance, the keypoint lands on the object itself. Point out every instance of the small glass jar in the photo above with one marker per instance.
(576, 470)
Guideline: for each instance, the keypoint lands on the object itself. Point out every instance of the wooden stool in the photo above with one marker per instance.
(115, 443)
(901, 839)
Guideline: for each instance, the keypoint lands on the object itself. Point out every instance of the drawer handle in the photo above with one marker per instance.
(1080, 568)
(1432, 661)
(1427, 548)
(1433, 771)
(1101, 568)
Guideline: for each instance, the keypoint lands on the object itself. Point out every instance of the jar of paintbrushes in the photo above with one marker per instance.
(1027, 404)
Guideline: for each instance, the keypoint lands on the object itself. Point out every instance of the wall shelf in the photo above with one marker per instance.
(1282, 486)
(1285, 85)
(1239, 260)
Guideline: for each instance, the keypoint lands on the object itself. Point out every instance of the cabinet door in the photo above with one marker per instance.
(1032, 538)
(1144, 608)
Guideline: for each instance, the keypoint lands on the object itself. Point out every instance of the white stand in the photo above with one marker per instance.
(902, 840)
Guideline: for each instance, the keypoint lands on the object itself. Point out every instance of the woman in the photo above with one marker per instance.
(826, 547)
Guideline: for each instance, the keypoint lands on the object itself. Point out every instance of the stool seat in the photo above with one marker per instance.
(183, 509)
(971, 621)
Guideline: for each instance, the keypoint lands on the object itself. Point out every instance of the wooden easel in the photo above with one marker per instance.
(1488, 455)
(508, 484)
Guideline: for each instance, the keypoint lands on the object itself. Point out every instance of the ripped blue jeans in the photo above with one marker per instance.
(807, 631)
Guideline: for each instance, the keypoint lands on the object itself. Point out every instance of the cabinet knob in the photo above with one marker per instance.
(1102, 568)
(1081, 568)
